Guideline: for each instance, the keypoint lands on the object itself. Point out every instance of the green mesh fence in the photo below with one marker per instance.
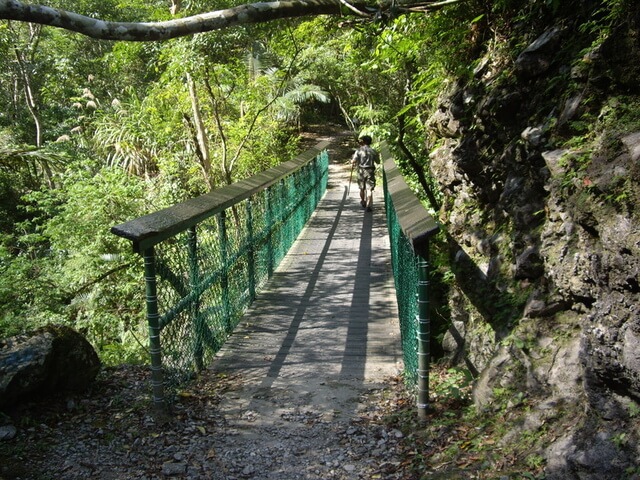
(206, 258)
(410, 226)
(405, 275)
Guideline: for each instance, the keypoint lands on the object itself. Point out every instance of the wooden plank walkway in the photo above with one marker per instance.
(325, 329)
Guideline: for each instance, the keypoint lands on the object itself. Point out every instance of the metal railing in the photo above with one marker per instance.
(410, 228)
(205, 258)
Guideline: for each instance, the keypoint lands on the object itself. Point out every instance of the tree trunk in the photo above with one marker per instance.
(224, 149)
(29, 97)
(23, 61)
(201, 134)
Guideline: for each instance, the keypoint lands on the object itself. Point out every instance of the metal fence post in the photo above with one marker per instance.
(315, 171)
(424, 334)
(194, 285)
(224, 282)
(250, 252)
(151, 294)
(269, 222)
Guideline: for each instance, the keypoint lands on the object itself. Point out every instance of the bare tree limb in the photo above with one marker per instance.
(100, 29)
(94, 281)
(258, 12)
(417, 168)
(424, 6)
(354, 9)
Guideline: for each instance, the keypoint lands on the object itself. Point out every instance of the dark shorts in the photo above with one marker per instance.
(366, 178)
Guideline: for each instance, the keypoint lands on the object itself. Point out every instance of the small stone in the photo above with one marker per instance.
(173, 469)
(248, 470)
(7, 432)
(349, 468)
(533, 135)
(554, 161)
(632, 142)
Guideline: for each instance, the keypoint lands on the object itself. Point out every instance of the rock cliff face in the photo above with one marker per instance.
(538, 160)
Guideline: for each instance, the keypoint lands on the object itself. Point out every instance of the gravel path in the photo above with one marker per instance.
(108, 433)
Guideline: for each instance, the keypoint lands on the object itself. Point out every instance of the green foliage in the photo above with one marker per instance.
(68, 267)
(453, 385)
(126, 136)
(620, 440)
(610, 13)
(595, 136)
(119, 140)
(619, 115)
(22, 285)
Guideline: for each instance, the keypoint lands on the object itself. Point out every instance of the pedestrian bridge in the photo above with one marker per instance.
(286, 278)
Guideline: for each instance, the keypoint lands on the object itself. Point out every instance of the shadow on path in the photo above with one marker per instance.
(305, 301)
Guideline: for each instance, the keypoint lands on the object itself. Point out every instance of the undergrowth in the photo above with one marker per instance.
(458, 441)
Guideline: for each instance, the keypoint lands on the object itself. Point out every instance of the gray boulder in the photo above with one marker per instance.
(538, 57)
(48, 360)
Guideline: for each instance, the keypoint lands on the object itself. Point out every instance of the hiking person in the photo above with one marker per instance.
(366, 158)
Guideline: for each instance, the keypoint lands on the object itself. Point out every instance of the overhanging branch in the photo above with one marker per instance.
(244, 14)
(354, 9)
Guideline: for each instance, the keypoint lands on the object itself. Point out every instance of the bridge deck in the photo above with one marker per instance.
(325, 328)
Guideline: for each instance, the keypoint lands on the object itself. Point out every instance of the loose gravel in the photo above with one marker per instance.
(109, 433)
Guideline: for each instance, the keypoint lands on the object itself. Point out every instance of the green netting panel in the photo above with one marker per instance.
(192, 295)
(207, 276)
(405, 273)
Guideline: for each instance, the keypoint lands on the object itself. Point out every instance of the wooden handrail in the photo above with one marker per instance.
(149, 230)
(414, 220)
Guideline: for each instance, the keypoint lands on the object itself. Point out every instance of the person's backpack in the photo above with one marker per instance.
(368, 157)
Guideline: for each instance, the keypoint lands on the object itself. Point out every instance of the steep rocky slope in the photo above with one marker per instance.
(537, 157)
